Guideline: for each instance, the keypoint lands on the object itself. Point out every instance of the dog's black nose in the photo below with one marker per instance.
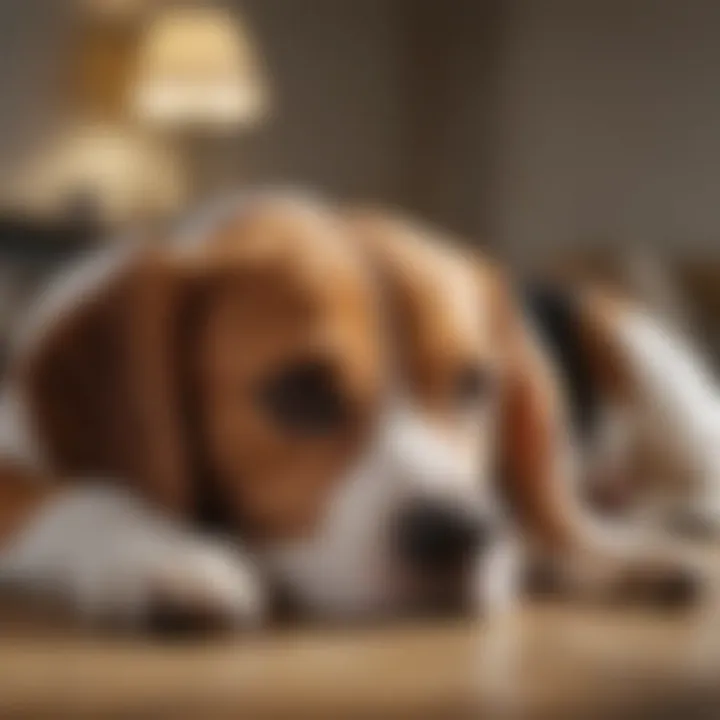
(432, 536)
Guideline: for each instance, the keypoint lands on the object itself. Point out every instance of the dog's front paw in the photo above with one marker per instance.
(651, 574)
(182, 586)
(669, 584)
(117, 562)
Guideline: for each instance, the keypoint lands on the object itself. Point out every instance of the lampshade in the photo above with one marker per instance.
(197, 67)
(123, 175)
(116, 9)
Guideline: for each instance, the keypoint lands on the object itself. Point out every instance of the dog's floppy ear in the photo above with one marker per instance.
(536, 461)
(102, 378)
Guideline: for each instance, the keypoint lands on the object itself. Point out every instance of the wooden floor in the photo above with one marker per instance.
(545, 661)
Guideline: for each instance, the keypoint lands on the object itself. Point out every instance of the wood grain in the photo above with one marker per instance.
(545, 661)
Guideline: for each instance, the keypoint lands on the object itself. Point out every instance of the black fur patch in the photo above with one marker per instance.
(555, 313)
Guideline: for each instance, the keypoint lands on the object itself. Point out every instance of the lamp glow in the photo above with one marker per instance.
(197, 67)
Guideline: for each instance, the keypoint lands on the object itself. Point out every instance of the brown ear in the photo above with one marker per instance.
(536, 456)
(103, 383)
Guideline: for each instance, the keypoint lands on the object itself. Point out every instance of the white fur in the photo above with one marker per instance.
(497, 577)
(111, 557)
(678, 412)
(347, 568)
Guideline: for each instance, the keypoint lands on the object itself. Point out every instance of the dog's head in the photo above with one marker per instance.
(327, 386)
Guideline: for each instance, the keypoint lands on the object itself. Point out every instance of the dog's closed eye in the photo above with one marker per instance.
(305, 398)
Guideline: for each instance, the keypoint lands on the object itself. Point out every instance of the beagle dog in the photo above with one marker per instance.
(283, 396)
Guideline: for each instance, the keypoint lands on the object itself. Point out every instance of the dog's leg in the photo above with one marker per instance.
(117, 561)
(540, 474)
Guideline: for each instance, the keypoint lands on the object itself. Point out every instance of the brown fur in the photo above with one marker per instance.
(535, 456)
(602, 312)
(22, 493)
(151, 379)
(440, 322)
(428, 280)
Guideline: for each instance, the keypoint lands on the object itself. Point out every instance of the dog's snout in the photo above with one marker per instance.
(433, 537)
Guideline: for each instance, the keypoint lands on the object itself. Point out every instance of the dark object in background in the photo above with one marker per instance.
(30, 242)
(31, 249)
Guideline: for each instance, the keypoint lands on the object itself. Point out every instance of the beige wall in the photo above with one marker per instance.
(607, 124)
(338, 114)
(33, 38)
(537, 123)
(333, 67)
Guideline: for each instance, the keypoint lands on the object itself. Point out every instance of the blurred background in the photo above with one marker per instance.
(577, 137)
(580, 136)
